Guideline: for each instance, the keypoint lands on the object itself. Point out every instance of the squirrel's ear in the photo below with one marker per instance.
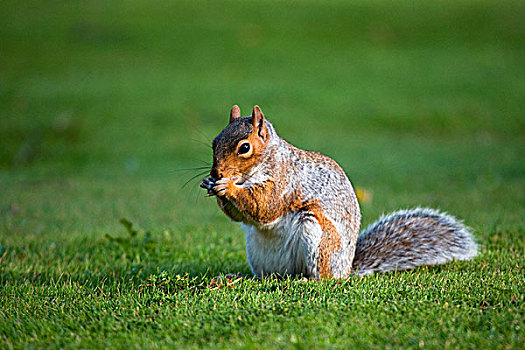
(235, 113)
(258, 122)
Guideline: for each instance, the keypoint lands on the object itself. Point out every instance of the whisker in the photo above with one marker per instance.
(196, 168)
(203, 135)
(204, 167)
(202, 143)
(246, 176)
(193, 178)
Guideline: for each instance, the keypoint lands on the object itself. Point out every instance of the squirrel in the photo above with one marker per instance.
(302, 217)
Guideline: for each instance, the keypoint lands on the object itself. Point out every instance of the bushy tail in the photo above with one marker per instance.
(409, 238)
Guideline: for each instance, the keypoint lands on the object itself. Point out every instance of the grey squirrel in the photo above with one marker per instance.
(302, 217)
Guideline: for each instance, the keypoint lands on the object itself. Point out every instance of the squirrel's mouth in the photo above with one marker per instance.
(241, 181)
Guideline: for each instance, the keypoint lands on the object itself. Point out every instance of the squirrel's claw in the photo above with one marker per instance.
(208, 183)
(220, 187)
(226, 185)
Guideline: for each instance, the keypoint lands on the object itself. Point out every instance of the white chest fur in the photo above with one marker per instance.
(286, 246)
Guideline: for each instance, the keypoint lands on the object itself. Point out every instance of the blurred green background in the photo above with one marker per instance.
(108, 108)
(104, 104)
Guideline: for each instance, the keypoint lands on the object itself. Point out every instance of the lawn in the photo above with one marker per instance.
(107, 112)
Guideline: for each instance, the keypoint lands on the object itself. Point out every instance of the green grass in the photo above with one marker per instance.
(103, 104)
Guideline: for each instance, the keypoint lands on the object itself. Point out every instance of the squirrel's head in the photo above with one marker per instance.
(239, 147)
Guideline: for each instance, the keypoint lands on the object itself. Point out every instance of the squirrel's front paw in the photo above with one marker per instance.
(220, 187)
(208, 183)
(225, 186)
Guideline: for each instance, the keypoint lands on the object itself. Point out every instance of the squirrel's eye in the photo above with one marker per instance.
(244, 148)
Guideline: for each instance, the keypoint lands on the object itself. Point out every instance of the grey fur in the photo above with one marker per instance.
(408, 238)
